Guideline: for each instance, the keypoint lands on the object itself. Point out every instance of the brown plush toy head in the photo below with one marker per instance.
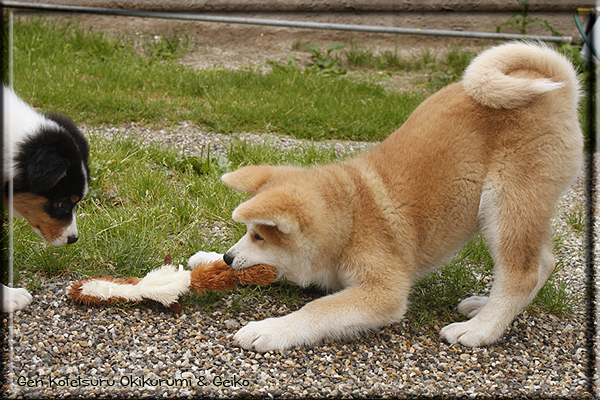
(220, 276)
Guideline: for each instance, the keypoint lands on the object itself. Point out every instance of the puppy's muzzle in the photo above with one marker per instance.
(72, 239)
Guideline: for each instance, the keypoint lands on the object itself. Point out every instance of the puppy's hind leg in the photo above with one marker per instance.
(521, 245)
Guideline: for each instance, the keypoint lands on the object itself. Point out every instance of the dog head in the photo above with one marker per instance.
(50, 177)
(281, 220)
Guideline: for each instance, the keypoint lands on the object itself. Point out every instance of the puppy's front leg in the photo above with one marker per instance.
(14, 299)
(346, 313)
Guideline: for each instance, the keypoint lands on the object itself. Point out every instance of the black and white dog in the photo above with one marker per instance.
(46, 159)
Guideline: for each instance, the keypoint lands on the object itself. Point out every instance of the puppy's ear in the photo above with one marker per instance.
(274, 208)
(45, 169)
(251, 177)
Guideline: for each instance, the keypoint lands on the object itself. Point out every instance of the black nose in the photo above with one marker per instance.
(72, 239)
(228, 259)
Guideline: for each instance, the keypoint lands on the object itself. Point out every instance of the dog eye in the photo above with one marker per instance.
(63, 206)
(257, 236)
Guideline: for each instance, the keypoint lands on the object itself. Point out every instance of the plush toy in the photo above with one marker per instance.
(167, 283)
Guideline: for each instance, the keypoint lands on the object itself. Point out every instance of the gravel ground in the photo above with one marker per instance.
(63, 350)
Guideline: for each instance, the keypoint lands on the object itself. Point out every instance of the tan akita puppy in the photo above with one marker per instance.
(491, 153)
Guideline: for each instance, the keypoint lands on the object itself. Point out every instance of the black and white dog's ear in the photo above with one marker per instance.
(45, 169)
(69, 127)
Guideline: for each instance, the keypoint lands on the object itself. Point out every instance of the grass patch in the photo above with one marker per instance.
(438, 70)
(434, 298)
(98, 80)
(359, 56)
(576, 218)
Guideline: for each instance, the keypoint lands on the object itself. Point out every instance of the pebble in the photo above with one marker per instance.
(59, 349)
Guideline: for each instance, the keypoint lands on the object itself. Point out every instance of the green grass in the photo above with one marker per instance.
(97, 80)
(576, 218)
(146, 202)
(439, 70)
(434, 298)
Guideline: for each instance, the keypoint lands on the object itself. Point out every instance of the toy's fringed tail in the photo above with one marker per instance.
(167, 283)
(163, 285)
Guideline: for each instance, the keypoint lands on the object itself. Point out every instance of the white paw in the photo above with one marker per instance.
(471, 333)
(270, 334)
(14, 299)
(471, 306)
(204, 257)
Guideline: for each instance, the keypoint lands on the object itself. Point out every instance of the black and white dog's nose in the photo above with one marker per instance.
(72, 239)
(228, 259)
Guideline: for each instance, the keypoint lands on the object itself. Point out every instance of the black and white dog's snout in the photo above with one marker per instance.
(72, 239)
(228, 259)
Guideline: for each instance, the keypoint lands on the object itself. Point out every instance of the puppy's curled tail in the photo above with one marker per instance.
(493, 80)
